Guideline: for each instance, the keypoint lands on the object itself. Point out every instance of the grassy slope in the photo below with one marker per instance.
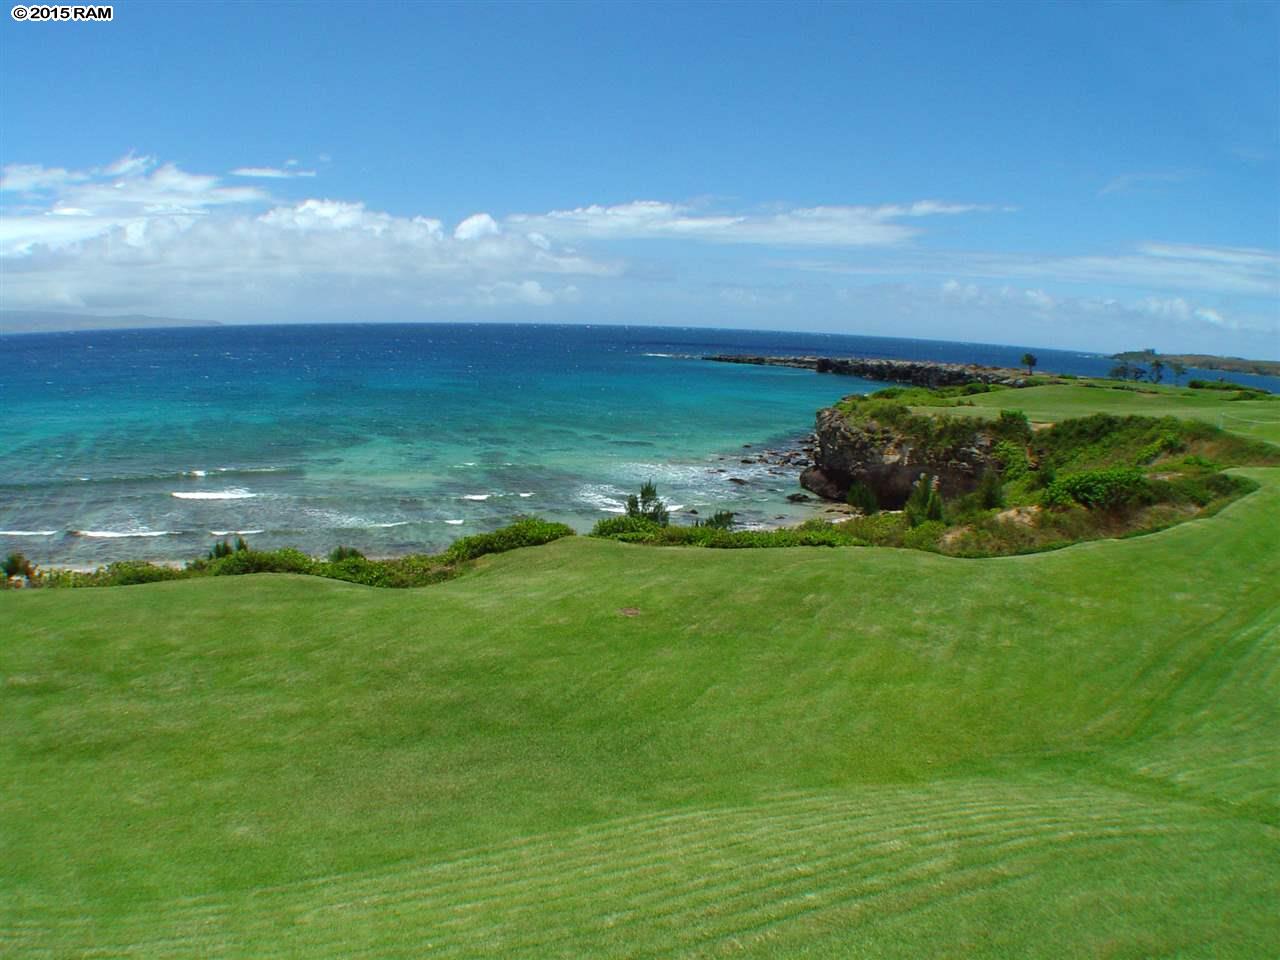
(785, 753)
(1259, 419)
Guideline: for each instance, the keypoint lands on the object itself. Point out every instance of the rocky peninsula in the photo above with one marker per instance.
(918, 373)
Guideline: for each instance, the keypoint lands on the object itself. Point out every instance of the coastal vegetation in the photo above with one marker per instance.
(343, 563)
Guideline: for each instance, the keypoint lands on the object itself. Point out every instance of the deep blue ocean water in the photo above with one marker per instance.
(400, 438)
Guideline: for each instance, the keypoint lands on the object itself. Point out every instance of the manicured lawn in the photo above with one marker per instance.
(594, 749)
(1259, 419)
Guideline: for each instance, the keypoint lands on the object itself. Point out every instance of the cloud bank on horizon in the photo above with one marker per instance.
(868, 176)
(138, 235)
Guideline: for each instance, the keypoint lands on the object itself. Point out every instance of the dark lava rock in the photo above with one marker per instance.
(887, 462)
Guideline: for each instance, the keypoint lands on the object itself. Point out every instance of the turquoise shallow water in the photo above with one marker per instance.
(152, 444)
(399, 438)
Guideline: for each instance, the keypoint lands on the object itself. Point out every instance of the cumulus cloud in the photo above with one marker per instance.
(852, 226)
(153, 237)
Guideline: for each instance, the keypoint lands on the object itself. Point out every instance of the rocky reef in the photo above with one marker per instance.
(888, 462)
(919, 373)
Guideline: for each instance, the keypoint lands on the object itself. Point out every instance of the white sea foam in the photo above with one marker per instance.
(656, 355)
(27, 533)
(121, 534)
(393, 523)
(231, 533)
(196, 473)
(453, 522)
(235, 493)
(476, 496)
(603, 497)
(525, 494)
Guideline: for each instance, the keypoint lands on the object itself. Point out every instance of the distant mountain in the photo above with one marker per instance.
(37, 321)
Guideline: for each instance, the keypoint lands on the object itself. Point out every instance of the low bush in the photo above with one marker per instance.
(17, 565)
(525, 532)
(614, 527)
(925, 536)
(1107, 489)
(862, 497)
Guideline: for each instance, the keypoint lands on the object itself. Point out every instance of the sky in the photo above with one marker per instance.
(1092, 176)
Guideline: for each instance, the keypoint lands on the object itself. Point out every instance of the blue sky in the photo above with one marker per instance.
(1096, 176)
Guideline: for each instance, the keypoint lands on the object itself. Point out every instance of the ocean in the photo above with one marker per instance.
(154, 444)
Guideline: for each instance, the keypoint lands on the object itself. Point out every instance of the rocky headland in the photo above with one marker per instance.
(888, 461)
(919, 373)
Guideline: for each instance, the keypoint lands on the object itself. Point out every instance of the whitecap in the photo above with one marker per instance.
(656, 355)
(476, 496)
(232, 533)
(602, 497)
(196, 473)
(453, 522)
(119, 534)
(393, 523)
(235, 493)
(530, 494)
(27, 533)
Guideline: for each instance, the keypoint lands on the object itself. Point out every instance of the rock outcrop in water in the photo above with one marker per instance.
(919, 373)
(888, 462)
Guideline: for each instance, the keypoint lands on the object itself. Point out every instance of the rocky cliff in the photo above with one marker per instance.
(888, 462)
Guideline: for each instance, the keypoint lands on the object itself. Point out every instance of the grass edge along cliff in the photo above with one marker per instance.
(958, 470)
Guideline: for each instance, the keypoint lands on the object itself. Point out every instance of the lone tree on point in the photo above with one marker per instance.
(1029, 360)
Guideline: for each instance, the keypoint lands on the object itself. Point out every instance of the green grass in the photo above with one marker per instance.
(596, 749)
(1258, 419)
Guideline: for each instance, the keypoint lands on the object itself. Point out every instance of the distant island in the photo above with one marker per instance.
(1203, 361)
(39, 321)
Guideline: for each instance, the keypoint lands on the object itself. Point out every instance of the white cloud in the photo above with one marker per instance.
(529, 292)
(1152, 316)
(476, 226)
(1127, 182)
(1239, 271)
(272, 173)
(159, 239)
(33, 177)
(807, 226)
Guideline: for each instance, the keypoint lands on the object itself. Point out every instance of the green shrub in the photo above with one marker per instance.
(614, 527)
(990, 492)
(340, 553)
(17, 565)
(648, 505)
(925, 536)
(524, 532)
(1011, 426)
(925, 502)
(720, 520)
(124, 573)
(240, 562)
(862, 497)
(1106, 489)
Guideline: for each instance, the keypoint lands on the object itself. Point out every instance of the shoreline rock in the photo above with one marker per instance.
(918, 373)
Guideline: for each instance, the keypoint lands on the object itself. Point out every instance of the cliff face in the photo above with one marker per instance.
(887, 462)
